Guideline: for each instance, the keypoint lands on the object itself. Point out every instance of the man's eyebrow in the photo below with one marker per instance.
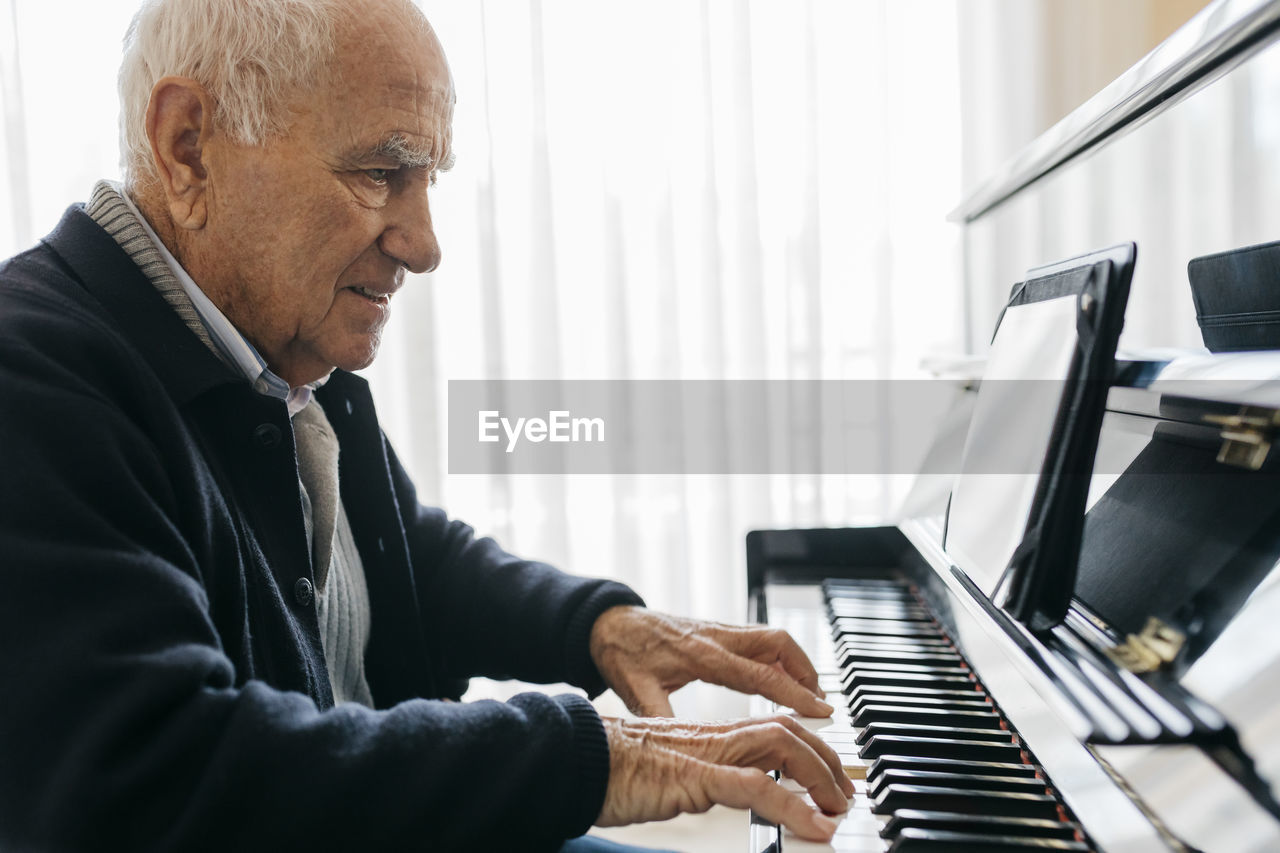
(406, 152)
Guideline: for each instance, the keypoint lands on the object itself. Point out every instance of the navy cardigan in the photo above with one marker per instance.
(162, 683)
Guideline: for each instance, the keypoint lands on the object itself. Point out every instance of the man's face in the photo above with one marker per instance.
(309, 235)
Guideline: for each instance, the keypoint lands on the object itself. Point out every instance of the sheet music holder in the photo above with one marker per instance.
(1042, 402)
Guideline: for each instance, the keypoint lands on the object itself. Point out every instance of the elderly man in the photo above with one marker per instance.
(228, 623)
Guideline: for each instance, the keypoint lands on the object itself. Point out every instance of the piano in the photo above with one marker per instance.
(1132, 702)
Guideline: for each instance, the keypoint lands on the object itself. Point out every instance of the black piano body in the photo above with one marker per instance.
(1174, 538)
(1149, 719)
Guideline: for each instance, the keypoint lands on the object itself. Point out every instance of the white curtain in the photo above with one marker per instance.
(681, 190)
(674, 189)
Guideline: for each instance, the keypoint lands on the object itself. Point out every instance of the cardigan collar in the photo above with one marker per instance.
(184, 364)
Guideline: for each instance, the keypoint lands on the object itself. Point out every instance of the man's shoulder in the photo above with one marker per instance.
(42, 302)
(55, 334)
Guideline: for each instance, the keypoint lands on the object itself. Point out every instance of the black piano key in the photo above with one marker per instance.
(856, 637)
(918, 730)
(846, 593)
(949, 765)
(1005, 803)
(986, 824)
(884, 628)
(964, 750)
(972, 692)
(877, 597)
(903, 605)
(918, 618)
(887, 713)
(887, 666)
(883, 582)
(870, 592)
(885, 645)
(941, 841)
(868, 644)
(964, 781)
(908, 700)
(880, 622)
(918, 657)
(872, 678)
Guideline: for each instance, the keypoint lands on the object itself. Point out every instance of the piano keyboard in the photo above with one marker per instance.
(935, 765)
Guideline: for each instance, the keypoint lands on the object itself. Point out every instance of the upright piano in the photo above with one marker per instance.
(1143, 714)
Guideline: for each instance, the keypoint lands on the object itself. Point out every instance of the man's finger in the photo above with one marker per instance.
(650, 700)
(746, 787)
(771, 745)
(769, 645)
(823, 750)
(748, 676)
(797, 663)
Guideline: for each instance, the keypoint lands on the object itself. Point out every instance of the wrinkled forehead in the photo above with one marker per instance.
(390, 76)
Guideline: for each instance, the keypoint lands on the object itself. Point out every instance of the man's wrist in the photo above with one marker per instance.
(582, 666)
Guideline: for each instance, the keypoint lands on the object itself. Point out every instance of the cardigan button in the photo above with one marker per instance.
(267, 436)
(303, 592)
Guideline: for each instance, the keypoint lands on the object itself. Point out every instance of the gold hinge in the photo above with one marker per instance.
(1155, 647)
(1247, 436)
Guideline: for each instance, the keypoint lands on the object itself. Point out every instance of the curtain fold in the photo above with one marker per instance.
(15, 215)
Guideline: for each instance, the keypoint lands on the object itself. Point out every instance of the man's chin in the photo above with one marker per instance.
(357, 359)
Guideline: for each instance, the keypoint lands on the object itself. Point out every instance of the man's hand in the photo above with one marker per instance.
(644, 656)
(661, 768)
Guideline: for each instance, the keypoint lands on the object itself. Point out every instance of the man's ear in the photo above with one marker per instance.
(179, 127)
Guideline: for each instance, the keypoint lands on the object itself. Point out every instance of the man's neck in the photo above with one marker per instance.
(152, 206)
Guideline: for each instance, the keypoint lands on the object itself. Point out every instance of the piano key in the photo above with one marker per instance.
(888, 666)
(838, 736)
(870, 678)
(965, 750)
(974, 719)
(941, 841)
(884, 627)
(888, 645)
(844, 608)
(916, 730)
(883, 597)
(972, 690)
(883, 582)
(870, 637)
(964, 781)
(948, 765)
(907, 700)
(891, 588)
(918, 657)
(1005, 803)
(986, 824)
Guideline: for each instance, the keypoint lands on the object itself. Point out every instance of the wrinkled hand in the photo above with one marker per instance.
(644, 656)
(661, 768)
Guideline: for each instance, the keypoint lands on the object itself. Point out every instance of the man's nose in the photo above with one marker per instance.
(408, 236)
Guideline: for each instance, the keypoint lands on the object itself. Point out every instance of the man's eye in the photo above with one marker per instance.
(378, 176)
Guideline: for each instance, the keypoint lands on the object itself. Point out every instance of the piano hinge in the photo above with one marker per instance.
(1155, 647)
(1246, 436)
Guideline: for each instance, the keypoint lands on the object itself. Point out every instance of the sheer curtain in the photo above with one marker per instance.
(675, 189)
(681, 190)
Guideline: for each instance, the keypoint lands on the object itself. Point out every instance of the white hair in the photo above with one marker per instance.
(252, 56)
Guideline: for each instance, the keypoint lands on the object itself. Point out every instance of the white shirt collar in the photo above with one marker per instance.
(231, 344)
